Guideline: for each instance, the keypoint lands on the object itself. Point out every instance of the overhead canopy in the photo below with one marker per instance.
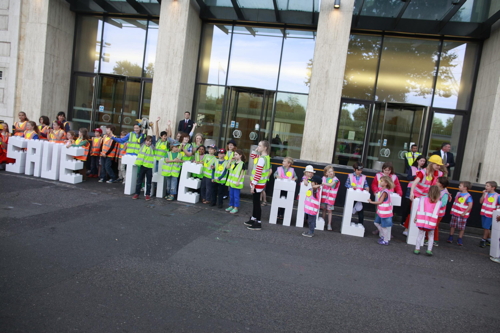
(462, 18)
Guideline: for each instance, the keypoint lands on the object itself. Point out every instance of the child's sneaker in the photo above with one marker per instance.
(230, 208)
(255, 226)
(329, 228)
(307, 234)
(405, 232)
(249, 223)
(429, 253)
(482, 243)
(416, 251)
(100, 180)
(135, 197)
(450, 239)
(234, 210)
(426, 242)
(436, 243)
(148, 197)
(382, 242)
(488, 242)
(459, 242)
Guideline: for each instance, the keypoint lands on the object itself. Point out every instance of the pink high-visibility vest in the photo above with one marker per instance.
(312, 202)
(355, 184)
(380, 175)
(385, 208)
(488, 207)
(281, 172)
(459, 207)
(329, 193)
(427, 213)
(422, 187)
(442, 210)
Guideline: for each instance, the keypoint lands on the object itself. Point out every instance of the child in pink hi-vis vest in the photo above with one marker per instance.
(383, 219)
(312, 205)
(329, 191)
(427, 217)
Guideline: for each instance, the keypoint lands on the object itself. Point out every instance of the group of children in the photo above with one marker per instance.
(223, 171)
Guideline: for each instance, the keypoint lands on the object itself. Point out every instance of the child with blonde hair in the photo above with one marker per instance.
(383, 219)
(330, 188)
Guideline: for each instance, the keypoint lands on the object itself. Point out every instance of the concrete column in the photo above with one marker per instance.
(10, 18)
(176, 61)
(44, 59)
(483, 145)
(327, 78)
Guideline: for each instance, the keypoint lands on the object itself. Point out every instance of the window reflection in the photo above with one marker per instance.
(214, 54)
(288, 124)
(361, 66)
(351, 133)
(88, 44)
(407, 70)
(149, 63)
(255, 56)
(297, 61)
(209, 110)
(456, 71)
(123, 48)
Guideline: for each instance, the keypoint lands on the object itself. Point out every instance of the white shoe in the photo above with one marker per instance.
(405, 233)
(330, 227)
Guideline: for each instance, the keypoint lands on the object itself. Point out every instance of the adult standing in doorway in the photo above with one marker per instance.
(185, 125)
(411, 156)
(446, 156)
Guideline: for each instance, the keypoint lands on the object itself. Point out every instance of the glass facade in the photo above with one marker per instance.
(113, 66)
(268, 71)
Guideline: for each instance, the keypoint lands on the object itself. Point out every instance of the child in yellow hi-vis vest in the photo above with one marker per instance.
(172, 169)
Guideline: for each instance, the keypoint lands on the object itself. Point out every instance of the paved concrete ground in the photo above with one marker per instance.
(86, 258)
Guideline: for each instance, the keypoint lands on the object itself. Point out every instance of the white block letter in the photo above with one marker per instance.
(159, 179)
(286, 202)
(187, 182)
(70, 164)
(16, 151)
(51, 159)
(495, 235)
(348, 227)
(131, 175)
(34, 158)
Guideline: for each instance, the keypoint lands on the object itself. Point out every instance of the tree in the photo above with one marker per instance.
(126, 68)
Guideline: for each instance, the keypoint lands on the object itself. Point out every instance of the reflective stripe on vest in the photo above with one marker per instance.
(106, 146)
(172, 168)
(86, 152)
(265, 171)
(489, 206)
(134, 143)
(312, 202)
(219, 170)
(20, 127)
(427, 213)
(357, 184)
(54, 134)
(385, 208)
(380, 175)
(422, 187)
(459, 207)
(442, 210)
(207, 162)
(329, 193)
(409, 157)
(161, 149)
(146, 157)
(235, 172)
(285, 175)
(96, 146)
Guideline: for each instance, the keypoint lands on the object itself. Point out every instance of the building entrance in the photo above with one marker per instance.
(245, 114)
(100, 100)
(374, 133)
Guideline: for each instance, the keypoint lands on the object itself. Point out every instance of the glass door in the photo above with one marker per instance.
(395, 128)
(132, 104)
(81, 108)
(110, 91)
(243, 122)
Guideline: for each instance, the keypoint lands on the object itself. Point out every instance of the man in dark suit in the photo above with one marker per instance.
(448, 159)
(185, 125)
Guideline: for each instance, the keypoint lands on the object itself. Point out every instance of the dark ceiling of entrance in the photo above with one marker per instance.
(461, 18)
